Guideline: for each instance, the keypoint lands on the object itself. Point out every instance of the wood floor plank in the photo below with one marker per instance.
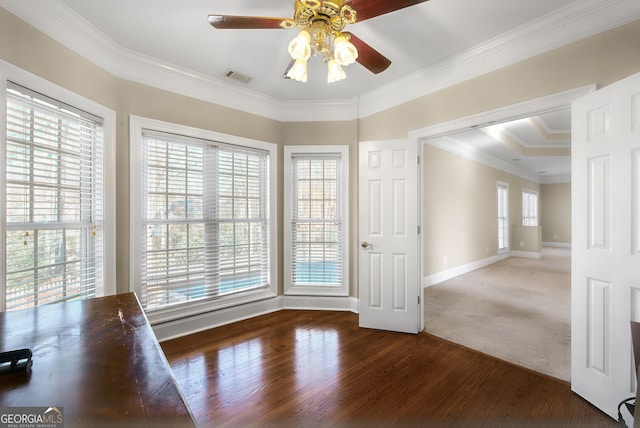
(316, 368)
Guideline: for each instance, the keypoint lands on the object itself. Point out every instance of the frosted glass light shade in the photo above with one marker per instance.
(298, 71)
(344, 51)
(300, 46)
(335, 72)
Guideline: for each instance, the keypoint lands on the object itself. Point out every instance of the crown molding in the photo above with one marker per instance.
(149, 71)
(558, 179)
(579, 20)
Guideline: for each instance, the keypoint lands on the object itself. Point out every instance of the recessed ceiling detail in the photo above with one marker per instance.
(506, 146)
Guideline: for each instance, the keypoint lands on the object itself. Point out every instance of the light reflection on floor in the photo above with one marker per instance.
(234, 376)
(194, 370)
(240, 372)
(317, 356)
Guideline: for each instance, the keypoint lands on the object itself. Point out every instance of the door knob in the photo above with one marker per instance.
(365, 244)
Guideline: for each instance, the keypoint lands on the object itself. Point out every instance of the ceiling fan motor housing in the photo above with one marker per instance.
(335, 14)
(323, 20)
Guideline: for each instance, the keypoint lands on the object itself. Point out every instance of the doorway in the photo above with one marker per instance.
(447, 263)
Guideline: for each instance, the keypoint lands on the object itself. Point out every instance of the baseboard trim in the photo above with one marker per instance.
(194, 324)
(557, 244)
(322, 303)
(439, 277)
(527, 254)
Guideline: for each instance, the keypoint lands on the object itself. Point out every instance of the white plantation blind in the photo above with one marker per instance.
(529, 208)
(316, 219)
(54, 201)
(205, 219)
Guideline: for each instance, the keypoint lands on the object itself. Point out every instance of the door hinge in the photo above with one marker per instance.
(418, 299)
(418, 160)
(418, 230)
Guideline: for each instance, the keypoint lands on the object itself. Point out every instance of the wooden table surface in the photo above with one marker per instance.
(98, 359)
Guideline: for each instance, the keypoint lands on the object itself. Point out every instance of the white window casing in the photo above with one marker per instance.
(203, 219)
(58, 181)
(503, 217)
(316, 220)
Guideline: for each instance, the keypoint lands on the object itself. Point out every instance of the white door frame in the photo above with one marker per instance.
(521, 110)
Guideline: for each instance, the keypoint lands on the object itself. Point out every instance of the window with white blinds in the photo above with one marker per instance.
(317, 219)
(529, 208)
(54, 210)
(503, 217)
(205, 219)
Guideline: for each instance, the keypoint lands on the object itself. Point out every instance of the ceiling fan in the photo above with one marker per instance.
(320, 24)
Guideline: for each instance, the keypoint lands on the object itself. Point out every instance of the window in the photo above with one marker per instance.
(503, 217)
(204, 219)
(316, 220)
(57, 243)
(529, 208)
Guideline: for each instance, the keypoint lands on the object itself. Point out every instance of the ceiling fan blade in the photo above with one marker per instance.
(366, 9)
(226, 22)
(368, 56)
(284, 75)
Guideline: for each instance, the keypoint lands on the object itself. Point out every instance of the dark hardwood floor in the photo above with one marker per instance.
(314, 368)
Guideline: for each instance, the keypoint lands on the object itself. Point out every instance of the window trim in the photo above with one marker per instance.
(9, 72)
(289, 288)
(506, 249)
(136, 125)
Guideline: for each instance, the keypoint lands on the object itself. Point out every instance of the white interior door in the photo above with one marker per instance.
(606, 242)
(389, 279)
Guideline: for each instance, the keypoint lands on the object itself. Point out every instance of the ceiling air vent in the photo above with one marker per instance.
(237, 76)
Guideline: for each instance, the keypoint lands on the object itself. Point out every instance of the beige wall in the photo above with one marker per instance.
(601, 59)
(555, 212)
(460, 210)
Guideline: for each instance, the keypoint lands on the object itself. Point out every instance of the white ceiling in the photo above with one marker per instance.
(170, 44)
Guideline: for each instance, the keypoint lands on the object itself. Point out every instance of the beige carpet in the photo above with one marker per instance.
(518, 310)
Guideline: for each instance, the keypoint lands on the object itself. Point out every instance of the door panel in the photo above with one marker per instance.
(389, 277)
(605, 229)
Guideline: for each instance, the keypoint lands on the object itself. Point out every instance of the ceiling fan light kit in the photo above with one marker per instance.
(298, 71)
(320, 24)
(335, 72)
(300, 47)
